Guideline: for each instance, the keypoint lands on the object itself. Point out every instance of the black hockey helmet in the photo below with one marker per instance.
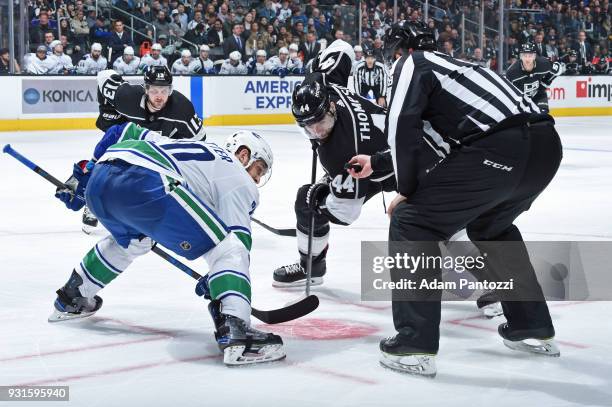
(527, 48)
(158, 76)
(408, 35)
(310, 102)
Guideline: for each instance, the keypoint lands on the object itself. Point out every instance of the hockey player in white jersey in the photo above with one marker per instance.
(203, 65)
(93, 62)
(359, 58)
(257, 65)
(298, 64)
(64, 62)
(182, 66)
(195, 199)
(233, 65)
(280, 64)
(40, 63)
(154, 58)
(128, 63)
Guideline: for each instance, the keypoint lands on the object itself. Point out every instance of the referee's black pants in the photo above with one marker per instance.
(482, 187)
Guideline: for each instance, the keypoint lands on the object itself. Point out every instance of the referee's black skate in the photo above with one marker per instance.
(242, 344)
(403, 358)
(294, 275)
(540, 341)
(70, 304)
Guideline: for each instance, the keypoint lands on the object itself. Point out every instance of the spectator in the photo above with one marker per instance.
(183, 17)
(39, 27)
(358, 56)
(154, 58)
(552, 52)
(540, 48)
(80, 27)
(223, 14)
(197, 19)
(215, 34)
(448, 49)
(182, 66)
(161, 24)
(175, 30)
(478, 59)
(91, 17)
(233, 65)
(339, 35)
(378, 30)
(119, 40)
(251, 42)
(377, 49)
(93, 62)
(583, 49)
(267, 10)
(64, 62)
(99, 33)
(66, 29)
(284, 13)
(310, 48)
(5, 59)
(127, 64)
(234, 42)
(197, 35)
(257, 65)
(203, 65)
(49, 38)
(41, 63)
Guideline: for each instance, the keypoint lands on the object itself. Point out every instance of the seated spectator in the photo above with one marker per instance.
(448, 49)
(64, 64)
(5, 63)
(197, 19)
(154, 58)
(215, 34)
(99, 33)
(223, 13)
(197, 35)
(127, 64)
(38, 28)
(66, 29)
(93, 62)
(119, 40)
(377, 49)
(40, 63)
(478, 59)
(233, 65)
(49, 38)
(161, 24)
(80, 27)
(284, 13)
(91, 17)
(551, 51)
(203, 65)
(183, 17)
(267, 10)
(175, 30)
(257, 65)
(182, 66)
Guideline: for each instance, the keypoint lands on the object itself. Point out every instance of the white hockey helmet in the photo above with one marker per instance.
(259, 148)
(96, 46)
(293, 47)
(261, 53)
(186, 53)
(204, 47)
(283, 50)
(357, 48)
(235, 55)
(157, 46)
(128, 51)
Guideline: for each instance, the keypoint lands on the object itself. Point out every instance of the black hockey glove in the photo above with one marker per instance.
(107, 88)
(316, 195)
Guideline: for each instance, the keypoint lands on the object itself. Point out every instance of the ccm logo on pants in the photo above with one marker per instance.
(497, 165)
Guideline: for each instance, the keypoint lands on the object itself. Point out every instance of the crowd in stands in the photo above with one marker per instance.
(280, 37)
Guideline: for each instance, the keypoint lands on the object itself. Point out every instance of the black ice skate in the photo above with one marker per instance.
(241, 344)
(90, 222)
(398, 356)
(70, 304)
(294, 275)
(540, 341)
(489, 304)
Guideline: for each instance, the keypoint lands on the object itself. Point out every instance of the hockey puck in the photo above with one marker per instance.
(322, 329)
(355, 167)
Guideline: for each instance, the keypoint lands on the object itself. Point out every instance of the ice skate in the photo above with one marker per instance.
(488, 303)
(70, 304)
(90, 222)
(294, 275)
(406, 359)
(539, 341)
(242, 344)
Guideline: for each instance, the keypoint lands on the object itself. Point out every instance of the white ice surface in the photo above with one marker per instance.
(151, 344)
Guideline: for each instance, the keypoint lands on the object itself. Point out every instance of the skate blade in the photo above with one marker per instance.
(492, 310)
(59, 316)
(546, 347)
(417, 365)
(235, 356)
(314, 281)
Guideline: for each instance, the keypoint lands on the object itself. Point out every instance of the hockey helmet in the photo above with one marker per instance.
(128, 51)
(158, 75)
(407, 35)
(259, 148)
(310, 102)
(235, 55)
(527, 48)
(368, 53)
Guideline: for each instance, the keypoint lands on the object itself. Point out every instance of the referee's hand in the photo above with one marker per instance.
(366, 166)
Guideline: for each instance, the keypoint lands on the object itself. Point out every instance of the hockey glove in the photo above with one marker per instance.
(202, 288)
(73, 195)
(108, 83)
(316, 195)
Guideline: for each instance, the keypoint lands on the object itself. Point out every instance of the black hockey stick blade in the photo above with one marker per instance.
(294, 311)
(280, 232)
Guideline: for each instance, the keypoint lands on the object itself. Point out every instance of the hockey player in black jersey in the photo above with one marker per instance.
(505, 152)
(342, 124)
(153, 105)
(533, 74)
(371, 75)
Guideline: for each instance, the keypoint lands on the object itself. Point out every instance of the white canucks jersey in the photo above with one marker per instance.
(275, 63)
(63, 63)
(179, 68)
(90, 66)
(41, 67)
(124, 68)
(212, 173)
(149, 61)
(201, 66)
(228, 69)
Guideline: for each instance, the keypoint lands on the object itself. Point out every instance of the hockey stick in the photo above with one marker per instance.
(313, 179)
(280, 232)
(277, 316)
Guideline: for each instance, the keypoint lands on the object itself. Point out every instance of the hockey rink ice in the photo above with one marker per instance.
(152, 343)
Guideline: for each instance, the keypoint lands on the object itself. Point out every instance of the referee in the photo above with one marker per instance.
(504, 152)
(371, 75)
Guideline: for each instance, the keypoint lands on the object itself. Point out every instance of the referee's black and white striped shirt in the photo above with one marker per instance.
(444, 100)
(367, 79)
